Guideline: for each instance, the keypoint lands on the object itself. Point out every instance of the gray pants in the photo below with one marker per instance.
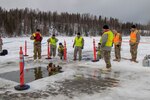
(53, 50)
(78, 50)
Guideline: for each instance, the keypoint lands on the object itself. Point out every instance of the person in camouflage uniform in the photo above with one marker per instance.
(117, 45)
(99, 51)
(37, 37)
(61, 50)
(78, 45)
(53, 45)
(134, 42)
(106, 44)
(1, 43)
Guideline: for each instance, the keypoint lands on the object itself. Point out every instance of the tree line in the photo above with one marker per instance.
(19, 22)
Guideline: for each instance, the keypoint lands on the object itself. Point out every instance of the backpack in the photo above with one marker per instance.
(38, 37)
(4, 52)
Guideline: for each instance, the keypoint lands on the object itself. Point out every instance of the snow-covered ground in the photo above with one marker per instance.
(133, 80)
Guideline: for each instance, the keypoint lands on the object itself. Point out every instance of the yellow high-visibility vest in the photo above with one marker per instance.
(61, 48)
(78, 41)
(110, 38)
(99, 52)
(53, 41)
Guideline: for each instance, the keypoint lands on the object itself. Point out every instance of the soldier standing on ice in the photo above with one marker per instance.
(78, 46)
(117, 45)
(134, 42)
(106, 44)
(53, 45)
(37, 37)
(1, 43)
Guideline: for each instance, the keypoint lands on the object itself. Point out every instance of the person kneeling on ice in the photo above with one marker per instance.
(61, 50)
(1, 43)
(78, 45)
(52, 69)
(53, 45)
(37, 37)
(99, 51)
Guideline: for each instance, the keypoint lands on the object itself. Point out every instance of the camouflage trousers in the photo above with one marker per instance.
(61, 54)
(133, 51)
(100, 55)
(53, 50)
(117, 51)
(106, 55)
(37, 50)
(78, 50)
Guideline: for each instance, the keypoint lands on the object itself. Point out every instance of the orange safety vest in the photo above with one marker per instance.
(117, 39)
(133, 37)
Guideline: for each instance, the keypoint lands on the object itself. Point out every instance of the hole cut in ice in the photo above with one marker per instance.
(29, 74)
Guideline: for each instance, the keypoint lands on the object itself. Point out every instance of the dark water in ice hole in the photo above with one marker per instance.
(41, 72)
(29, 74)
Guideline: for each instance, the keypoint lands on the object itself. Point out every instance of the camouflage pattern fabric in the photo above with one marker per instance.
(107, 58)
(37, 50)
(117, 52)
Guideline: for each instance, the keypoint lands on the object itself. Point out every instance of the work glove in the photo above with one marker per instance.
(32, 37)
(137, 43)
(118, 45)
(40, 39)
(112, 44)
(82, 47)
